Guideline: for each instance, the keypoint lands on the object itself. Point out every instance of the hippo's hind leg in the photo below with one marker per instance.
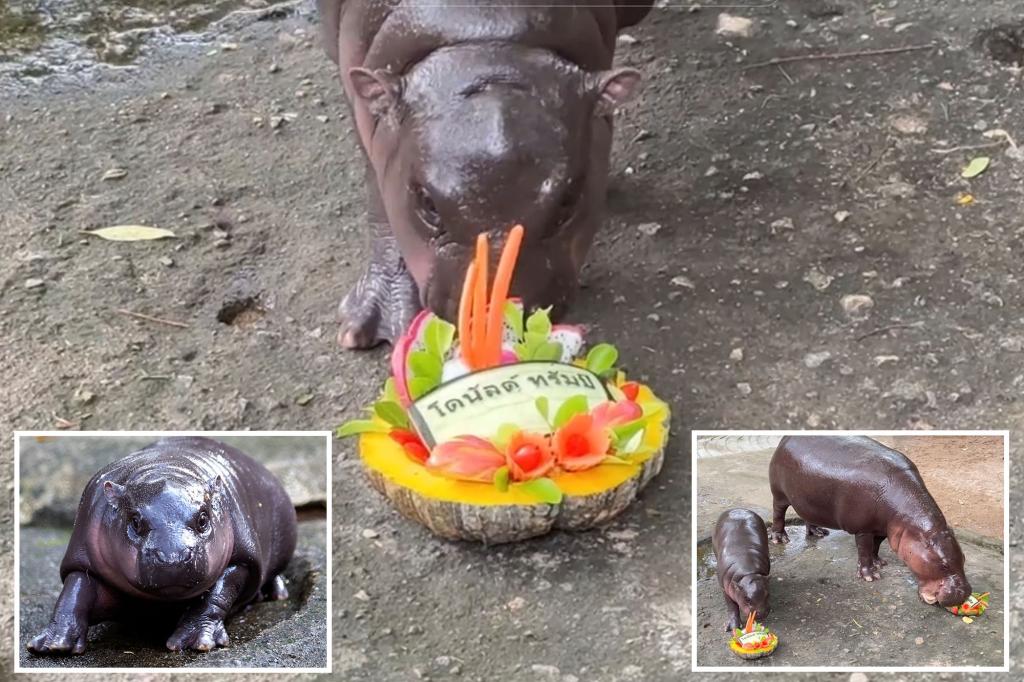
(734, 613)
(69, 625)
(385, 298)
(275, 589)
(778, 534)
(876, 560)
(867, 554)
(816, 531)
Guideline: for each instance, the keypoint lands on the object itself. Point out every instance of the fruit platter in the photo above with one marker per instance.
(504, 426)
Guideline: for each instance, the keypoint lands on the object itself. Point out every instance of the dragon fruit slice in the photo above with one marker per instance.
(410, 342)
(571, 338)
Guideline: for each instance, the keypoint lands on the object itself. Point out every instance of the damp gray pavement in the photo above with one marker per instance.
(746, 204)
(825, 615)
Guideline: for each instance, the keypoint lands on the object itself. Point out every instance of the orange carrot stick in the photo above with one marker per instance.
(466, 315)
(750, 622)
(499, 294)
(480, 302)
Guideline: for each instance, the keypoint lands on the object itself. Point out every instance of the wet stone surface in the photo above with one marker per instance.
(825, 615)
(286, 634)
(55, 471)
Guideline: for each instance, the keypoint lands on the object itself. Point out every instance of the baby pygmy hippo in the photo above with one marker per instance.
(185, 520)
(741, 548)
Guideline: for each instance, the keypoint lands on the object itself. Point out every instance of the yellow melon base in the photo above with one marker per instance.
(463, 510)
(750, 654)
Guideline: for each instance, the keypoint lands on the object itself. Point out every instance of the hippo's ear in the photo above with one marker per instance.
(615, 88)
(114, 492)
(213, 487)
(377, 87)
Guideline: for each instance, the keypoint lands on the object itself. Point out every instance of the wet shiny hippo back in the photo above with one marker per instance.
(858, 485)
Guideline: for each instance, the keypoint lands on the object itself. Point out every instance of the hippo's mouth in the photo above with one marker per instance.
(928, 598)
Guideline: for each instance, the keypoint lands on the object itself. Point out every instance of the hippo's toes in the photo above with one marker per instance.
(779, 537)
(275, 589)
(59, 638)
(379, 308)
(733, 623)
(199, 634)
(869, 573)
(816, 531)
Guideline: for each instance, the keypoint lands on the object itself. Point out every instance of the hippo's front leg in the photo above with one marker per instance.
(202, 626)
(384, 300)
(69, 624)
(867, 565)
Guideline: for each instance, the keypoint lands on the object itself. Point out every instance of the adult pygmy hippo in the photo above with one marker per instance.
(858, 485)
(186, 520)
(741, 549)
(475, 117)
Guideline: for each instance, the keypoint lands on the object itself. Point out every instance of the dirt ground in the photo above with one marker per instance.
(820, 608)
(778, 192)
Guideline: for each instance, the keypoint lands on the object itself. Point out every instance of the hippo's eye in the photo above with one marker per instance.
(202, 521)
(138, 525)
(426, 208)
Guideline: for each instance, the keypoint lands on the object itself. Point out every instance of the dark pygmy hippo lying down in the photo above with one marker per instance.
(858, 485)
(476, 116)
(184, 520)
(741, 549)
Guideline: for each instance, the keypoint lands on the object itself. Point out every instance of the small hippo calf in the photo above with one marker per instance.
(476, 116)
(858, 485)
(741, 549)
(184, 520)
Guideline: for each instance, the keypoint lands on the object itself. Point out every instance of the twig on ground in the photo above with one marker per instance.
(839, 55)
(887, 328)
(871, 166)
(970, 147)
(150, 318)
(788, 77)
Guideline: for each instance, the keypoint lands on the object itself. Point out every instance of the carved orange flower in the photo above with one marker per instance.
(466, 458)
(411, 443)
(528, 456)
(581, 443)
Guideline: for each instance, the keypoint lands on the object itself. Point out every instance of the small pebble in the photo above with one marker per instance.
(857, 305)
(34, 283)
(736, 355)
(370, 534)
(744, 388)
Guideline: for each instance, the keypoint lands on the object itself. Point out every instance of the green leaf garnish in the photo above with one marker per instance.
(602, 358)
(625, 432)
(390, 392)
(539, 322)
(569, 409)
(544, 489)
(543, 406)
(514, 318)
(504, 435)
(357, 426)
(501, 479)
(420, 386)
(425, 365)
(438, 337)
(392, 413)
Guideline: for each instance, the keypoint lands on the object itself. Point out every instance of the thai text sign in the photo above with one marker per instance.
(478, 404)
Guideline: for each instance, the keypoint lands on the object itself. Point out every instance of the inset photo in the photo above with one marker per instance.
(849, 551)
(159, 550)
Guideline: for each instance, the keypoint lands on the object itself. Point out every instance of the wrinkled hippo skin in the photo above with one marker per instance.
(184, 521)
(740, 542)
(475, 117)
(858, 485)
